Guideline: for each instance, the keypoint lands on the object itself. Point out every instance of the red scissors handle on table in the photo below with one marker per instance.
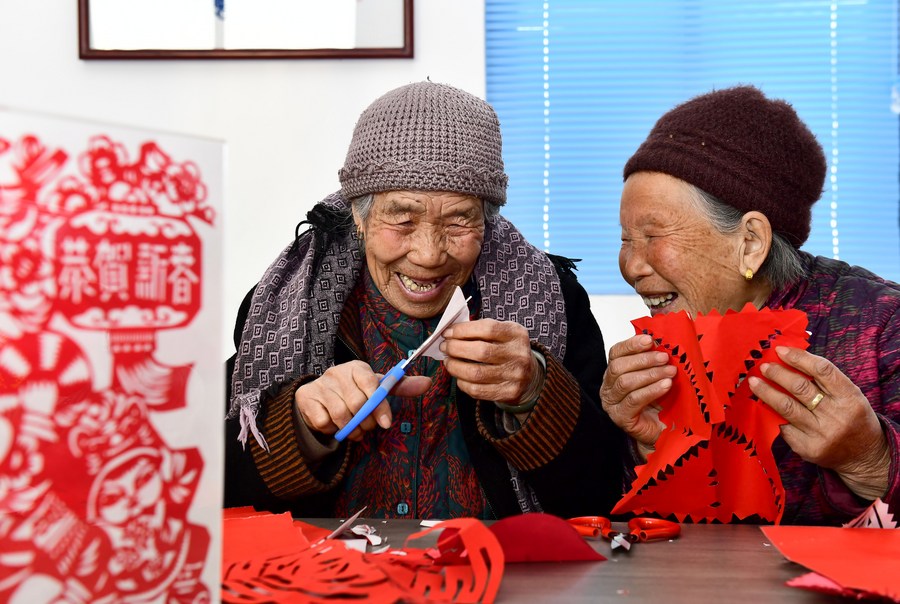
(639, 530)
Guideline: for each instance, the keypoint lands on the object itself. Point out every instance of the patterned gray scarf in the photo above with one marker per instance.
(294, 314)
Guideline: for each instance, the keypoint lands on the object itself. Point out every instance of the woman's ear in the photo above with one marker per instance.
(360, 232)
(756, 242)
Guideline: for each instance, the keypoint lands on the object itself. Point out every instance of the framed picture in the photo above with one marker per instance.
(245, 29)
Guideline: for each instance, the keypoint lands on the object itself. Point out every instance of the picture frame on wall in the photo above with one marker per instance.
(245, 29)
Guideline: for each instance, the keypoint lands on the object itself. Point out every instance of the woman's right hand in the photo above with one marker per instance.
(329, 402)
(636, 377)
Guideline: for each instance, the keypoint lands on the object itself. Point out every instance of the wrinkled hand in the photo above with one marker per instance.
(841, 433)
(328, 403)
(491, 360)
(635, 378)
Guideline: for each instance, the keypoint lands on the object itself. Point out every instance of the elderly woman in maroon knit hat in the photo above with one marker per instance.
(716, 204)
(502, 425)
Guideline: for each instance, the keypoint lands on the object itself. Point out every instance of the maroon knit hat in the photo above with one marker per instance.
(748, 151)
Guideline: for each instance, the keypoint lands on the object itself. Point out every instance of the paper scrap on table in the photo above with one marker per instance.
(368, 534)
(715, 461)
(877, 515)
(860, 561)
(457, 311)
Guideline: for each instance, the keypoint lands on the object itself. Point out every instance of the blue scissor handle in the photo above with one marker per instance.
(384, 387)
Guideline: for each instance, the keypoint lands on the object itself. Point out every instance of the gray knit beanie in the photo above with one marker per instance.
(426, 137)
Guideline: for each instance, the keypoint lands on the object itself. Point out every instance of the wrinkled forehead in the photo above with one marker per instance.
(435, 204)
(655, 198)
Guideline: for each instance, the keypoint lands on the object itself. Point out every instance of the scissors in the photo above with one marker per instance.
(639, 530)
(391, 378)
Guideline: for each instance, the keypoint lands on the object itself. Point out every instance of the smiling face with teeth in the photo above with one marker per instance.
(676, 259)
(420, 246)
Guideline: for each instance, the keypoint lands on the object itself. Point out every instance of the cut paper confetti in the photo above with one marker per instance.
(714, 461)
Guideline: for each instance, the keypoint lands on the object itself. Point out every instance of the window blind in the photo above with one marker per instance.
(578, 85)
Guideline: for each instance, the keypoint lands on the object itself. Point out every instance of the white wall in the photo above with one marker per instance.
(286, 123)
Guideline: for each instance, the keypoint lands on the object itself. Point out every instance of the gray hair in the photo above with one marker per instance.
(363, 206)
(781, 267)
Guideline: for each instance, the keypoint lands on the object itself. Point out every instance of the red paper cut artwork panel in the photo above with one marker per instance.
(105, 246)
(714, 461)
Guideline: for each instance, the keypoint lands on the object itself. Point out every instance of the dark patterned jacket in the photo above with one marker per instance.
(854, 321)
(564, 451)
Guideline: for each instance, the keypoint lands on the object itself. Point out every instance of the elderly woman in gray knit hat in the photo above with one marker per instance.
(501, 426)
(716, 204)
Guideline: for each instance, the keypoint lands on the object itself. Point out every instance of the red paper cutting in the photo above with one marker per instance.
(325, 570)
(270, 558)
(466, 567)
(311, 531)
(714, 461)
(862, 561)
(257, 535)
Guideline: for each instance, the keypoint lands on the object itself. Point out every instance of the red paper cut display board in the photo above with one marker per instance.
(714, 461)
(110, 371)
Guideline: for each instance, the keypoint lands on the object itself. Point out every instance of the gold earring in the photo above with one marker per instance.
(359, 234)
(748, 275)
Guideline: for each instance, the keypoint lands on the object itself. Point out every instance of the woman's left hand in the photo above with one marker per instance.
(837, 430)
(491, 360)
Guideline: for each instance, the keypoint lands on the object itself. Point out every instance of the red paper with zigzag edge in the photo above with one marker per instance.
(714, 461)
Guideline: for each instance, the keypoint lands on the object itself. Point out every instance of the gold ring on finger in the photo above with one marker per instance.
(815, 402)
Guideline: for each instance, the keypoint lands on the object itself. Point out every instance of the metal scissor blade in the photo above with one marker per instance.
(346, 524)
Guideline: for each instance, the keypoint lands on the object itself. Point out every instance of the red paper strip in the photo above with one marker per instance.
(241, 512)
(714, 462)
